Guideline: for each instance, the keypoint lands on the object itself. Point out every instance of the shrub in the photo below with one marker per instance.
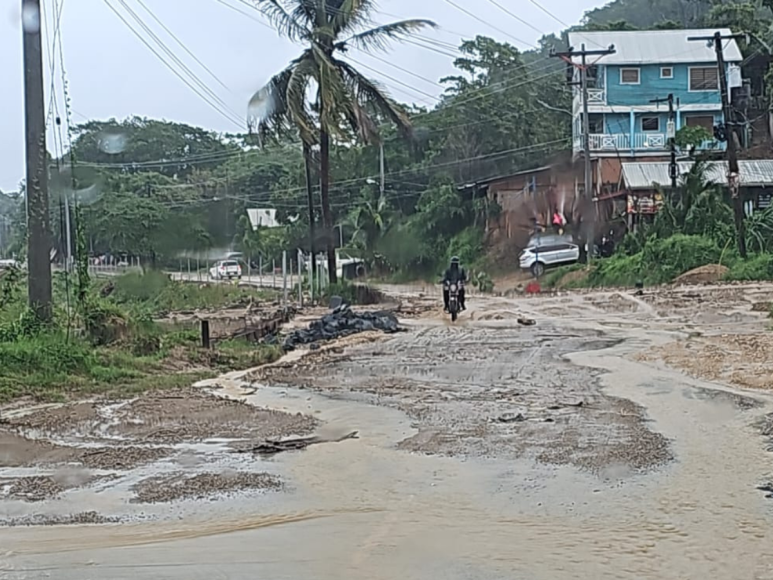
(759, 267)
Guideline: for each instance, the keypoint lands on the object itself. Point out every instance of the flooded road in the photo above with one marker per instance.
(653, 476)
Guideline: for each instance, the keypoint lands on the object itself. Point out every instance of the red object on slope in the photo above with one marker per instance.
(533, 288)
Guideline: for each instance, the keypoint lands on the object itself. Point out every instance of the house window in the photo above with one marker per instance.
(705, 121)
(704, 78)
(629, 76)
(666, 72)
(650, 124)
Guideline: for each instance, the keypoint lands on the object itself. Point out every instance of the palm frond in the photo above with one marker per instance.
(305, 11)
(285, 23)
(345, 16)
(378, 38)
(370, 92)
(267, 108)
(295, 96)
(334, 98)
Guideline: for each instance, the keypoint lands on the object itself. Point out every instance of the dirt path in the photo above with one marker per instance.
(576, 448)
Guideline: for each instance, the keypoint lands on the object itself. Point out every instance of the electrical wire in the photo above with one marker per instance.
(192, 75)
(518, 18)
(492, 26)
(171, 68)
(182, 44)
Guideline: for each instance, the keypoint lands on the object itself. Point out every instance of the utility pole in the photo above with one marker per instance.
(39, 229)
(310, 198)
(590, 217)
(673, 170)
(733, 175)
(381, 169)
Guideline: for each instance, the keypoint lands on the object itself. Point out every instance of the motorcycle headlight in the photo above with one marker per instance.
(453, 287)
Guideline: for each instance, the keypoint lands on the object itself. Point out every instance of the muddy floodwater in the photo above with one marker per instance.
(592, 444)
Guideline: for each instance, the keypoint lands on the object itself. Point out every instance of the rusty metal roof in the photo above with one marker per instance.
(754, 173)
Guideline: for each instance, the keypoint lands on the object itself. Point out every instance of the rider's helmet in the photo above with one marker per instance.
(455, 260)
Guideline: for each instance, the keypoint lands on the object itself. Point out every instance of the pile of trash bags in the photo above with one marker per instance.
(342, 321)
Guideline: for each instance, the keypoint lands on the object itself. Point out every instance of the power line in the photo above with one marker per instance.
(492, 26)
(182, 44)
(193, 76)
(247, 14)
(398, 81)
(170, 67)
(406, 71)
(518, 18)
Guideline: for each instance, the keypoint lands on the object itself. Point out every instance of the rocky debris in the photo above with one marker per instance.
(79, 519)
(33, 488)
(194, 415)
(708, 274)
(267, 448)
(122, 458)
(342, 322)
(768, 488)
(179, 486)
(511, 418)
(36, 488)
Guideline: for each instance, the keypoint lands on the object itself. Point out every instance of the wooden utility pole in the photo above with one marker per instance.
(38, 224)
(590, 217)
(673, 170)
(733, 175)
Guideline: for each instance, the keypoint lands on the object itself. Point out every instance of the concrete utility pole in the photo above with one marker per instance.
(733, 176)
(310, 199)
(673, 169)
(39, 228)
(588, 171)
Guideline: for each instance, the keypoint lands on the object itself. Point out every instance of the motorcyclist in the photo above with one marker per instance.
(454, 275)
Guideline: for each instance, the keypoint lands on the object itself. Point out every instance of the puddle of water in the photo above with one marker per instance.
(380, 513)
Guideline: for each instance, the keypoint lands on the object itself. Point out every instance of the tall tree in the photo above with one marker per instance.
(346, 101)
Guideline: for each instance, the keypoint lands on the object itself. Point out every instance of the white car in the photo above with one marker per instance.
(225, 270)
(546, 251)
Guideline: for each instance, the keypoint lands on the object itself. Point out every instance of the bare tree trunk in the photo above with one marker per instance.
(327, 217)
(38, 223)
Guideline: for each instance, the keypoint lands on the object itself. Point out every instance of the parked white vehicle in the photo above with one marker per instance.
(225, 270)
(549, 250)
(8, 264)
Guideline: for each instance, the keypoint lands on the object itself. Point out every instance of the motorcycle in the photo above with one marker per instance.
(453, 299)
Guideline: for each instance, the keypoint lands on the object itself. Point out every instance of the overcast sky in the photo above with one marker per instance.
(111, 73)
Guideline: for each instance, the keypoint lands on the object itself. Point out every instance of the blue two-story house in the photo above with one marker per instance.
(649, 65)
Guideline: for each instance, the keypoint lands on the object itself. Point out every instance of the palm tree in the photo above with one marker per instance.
(345, 101)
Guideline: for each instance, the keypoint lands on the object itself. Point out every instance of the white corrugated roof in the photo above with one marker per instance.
(758, 173)
(654, 46)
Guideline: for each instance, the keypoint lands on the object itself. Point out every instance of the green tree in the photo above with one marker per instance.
(346, 101)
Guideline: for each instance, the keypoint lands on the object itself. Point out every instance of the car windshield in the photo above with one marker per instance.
(229, 264)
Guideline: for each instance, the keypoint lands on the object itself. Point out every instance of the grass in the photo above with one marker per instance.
(115, 347)
(157, 294)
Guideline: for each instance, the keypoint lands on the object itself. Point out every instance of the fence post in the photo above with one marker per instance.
(260, 270)
(249, 267)
(284, 275)
(300, 278)
(198, 268)
(273, 273)
(205, 334)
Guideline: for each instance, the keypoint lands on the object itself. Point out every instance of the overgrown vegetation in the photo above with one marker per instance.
(111, 344)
